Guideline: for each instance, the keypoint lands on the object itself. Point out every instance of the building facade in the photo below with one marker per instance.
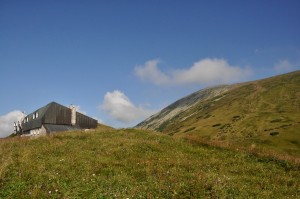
(55, 118)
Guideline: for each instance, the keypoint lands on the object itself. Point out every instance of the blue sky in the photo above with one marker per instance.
(121, 61)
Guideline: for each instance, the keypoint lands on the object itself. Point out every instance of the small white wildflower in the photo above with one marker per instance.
(49, 192)
(94, 174)
(56, 190)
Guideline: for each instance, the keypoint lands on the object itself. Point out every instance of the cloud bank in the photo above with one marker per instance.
(119, 107)
(206, 71)
(7, 121)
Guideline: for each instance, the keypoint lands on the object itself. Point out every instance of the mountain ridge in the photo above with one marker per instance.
(182, 105)
(263, 113)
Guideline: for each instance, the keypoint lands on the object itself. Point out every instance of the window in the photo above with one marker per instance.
(35, 115)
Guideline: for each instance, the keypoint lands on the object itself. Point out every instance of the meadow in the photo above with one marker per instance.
(129, 163)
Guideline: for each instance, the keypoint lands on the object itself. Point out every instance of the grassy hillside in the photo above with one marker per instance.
(136, 164)
(260, 115)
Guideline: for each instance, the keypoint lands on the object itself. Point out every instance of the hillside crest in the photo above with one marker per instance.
(258, 113)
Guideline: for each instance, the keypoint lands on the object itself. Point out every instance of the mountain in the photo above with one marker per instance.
(263, 113)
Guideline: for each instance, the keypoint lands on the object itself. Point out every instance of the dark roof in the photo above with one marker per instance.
(56, 114)
(37, 122)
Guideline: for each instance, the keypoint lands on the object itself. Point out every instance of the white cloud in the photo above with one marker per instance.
(206, 71)
(119, 107)
(284, 66)
(210, 71)
(150, 72)
(7, 121)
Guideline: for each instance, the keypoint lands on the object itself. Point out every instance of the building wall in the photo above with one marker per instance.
(85, 122)
(57, 114)
(36, 132)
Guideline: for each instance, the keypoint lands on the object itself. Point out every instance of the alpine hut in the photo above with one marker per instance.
(55, 118)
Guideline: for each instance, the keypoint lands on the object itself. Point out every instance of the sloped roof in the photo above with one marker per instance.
(54, 114)
(36, 122)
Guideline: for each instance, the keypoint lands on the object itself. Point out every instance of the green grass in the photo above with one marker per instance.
(247, 115)
(137, 164)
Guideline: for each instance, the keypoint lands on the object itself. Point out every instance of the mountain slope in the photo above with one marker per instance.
(161, 119)
(263, 113)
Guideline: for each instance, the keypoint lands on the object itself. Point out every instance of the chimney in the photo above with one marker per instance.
(73, 114)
